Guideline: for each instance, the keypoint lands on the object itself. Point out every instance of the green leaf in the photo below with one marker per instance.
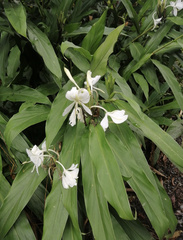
(108, 172)
(126, 92)
(149, 72)
(43, 46)
(152, 131)
(66, 45)
(176, 20)
(5, 47)
(20, 93)
(13, 62)
(37, 201)
(96, 204)
(143, 84)
(24, 119)
(118, 230)
(79, 60)
(71, 154)
(135, 65)
(17, 16)
(157, 37)
(21, 229)
(176, 128)
(101, 55)
(139, 180)
(55, 214)
(131, 12)
(70, 233)
(168, 208)
(171, 80)
(133, 229)
(136, 50)
(20, 193)
(93, 38)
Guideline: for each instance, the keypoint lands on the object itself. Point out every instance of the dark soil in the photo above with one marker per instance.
(173, 184)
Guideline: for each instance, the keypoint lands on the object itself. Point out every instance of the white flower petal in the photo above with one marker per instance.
(104, 123)
(68, 109)
(72, 94)
(118, 116)
(179, 5)
(69, 176)
(36, 157)
(86, 109)
(92, 80)
(83, 95)
(175, 11)
(72, 118)
(80, 115)
(43, 146)
(70, 77)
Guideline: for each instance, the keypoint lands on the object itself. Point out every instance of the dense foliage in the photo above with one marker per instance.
(84, 87)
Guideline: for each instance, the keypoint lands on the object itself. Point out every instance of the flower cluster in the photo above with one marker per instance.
(82, 96)
(37, 157)
(177, 6)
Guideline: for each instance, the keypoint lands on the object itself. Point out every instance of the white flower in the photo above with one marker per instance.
(79, 97)
(156, 21)
(70, 77)
(69, 176)
(178, 5)
(36, 155)
(92, 80)
(117, 116)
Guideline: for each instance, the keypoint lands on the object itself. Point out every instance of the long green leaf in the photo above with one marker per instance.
(133, 229)
(131, 12)
(156, 39)
(20, 193)
(171, 80)
(143, 187)
(17, 16)
(55, 214)
(108, 172)
(70, 233)
(24, 119)
(71, 154)
(21, 229)
(5, 47)
(152, 131)
(135, 65)
(93, 38)
(101, 55)
(43, 46)
(128, 230)
(13, 62)
(96, 204)
(143, 84)
(20, 93)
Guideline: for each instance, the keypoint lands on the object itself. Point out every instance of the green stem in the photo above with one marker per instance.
(166, 44)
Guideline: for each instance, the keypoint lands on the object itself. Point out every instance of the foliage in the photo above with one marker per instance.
(140, 68)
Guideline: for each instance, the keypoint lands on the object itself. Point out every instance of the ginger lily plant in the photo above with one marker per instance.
(99, 93)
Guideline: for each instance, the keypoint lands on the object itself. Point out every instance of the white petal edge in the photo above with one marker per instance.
(68, 109)
(104, 123)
